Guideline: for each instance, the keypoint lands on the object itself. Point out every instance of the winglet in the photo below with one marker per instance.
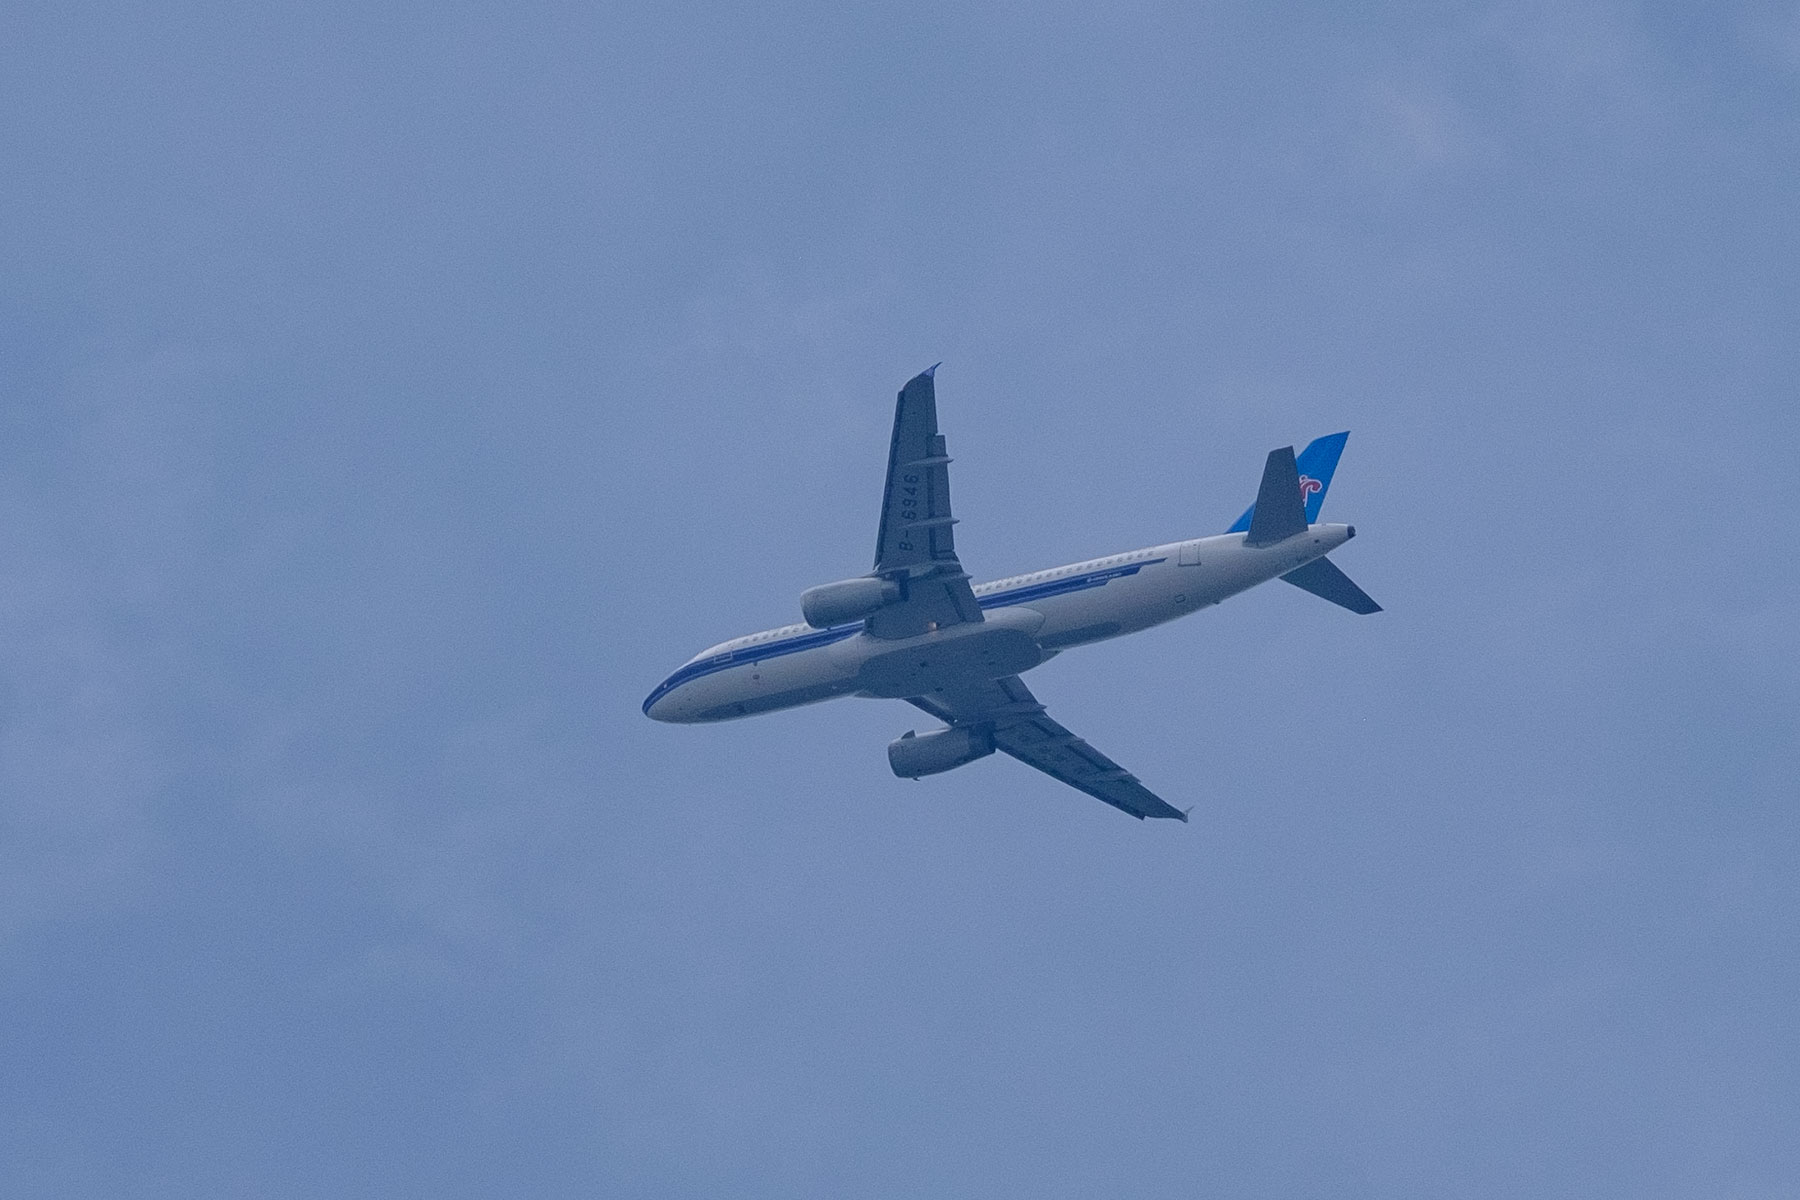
(931, 371)
(1185, 812)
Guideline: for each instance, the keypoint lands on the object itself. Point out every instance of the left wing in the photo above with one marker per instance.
(1023, 730)
(914, 547)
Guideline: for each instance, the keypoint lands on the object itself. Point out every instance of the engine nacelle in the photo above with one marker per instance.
(847, 600)
(915, 754)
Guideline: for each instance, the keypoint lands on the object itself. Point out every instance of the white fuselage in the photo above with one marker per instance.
(1026, 620)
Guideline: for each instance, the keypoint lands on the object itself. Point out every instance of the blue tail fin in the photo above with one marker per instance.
(1316, 463)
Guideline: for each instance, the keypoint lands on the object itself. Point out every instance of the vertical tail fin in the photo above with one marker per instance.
(1315, 464)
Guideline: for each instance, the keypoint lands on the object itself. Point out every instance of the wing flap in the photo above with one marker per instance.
(915, 507)
(914, 545)
(1025, 731)
(1045, 744)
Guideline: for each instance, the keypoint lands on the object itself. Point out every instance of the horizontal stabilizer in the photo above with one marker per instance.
(1279, 513)
(1322, 578)
(1316, 464)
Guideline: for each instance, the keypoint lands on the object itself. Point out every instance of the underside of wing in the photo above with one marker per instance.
(914, 546)
(1022, 729)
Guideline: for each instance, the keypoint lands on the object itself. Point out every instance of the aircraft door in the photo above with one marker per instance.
(1188, 555)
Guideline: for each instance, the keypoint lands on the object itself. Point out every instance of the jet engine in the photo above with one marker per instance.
(847, 600)
(915, 754)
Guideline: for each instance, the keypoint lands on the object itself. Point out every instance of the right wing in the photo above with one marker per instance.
(914, 547)
(1025, 731)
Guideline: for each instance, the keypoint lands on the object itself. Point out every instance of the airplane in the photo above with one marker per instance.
(915, 628)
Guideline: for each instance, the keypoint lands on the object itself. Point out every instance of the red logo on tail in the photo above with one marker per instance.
(1309, 485)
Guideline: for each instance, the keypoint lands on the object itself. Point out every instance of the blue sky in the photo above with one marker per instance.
(393, 395)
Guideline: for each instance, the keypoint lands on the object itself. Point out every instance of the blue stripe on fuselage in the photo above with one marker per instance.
(745, 654)
(1056, 587)
(837, 633)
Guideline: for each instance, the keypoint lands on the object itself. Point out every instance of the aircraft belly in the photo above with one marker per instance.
(1122, 606)
(1160, 593)
(1000, 645)
(921, 669)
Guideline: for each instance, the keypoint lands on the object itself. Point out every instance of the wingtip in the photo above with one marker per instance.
(931, 371)
(1185, 812)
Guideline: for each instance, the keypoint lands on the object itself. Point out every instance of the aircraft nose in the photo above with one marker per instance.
(658, 706)
(673, 701)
